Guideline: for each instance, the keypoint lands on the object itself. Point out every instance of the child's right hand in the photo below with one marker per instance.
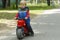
(15, 18)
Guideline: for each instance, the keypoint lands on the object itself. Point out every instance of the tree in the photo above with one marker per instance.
(36, 1)
(16, 3)
(48, 2)
(53, 3)
(31, 1)
(4, 3)
(9, 3)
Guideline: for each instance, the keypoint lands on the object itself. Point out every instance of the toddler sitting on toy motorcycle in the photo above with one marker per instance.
(24, 13)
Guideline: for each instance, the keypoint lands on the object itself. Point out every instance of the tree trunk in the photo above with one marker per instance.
(58, 1)
(53, 3)
(16, 3)
(36, 1)
(4, 3)
(9, 3)
(48, 2)
(31, 1)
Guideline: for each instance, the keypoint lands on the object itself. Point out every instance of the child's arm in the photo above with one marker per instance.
(16, 15)
(28, 14)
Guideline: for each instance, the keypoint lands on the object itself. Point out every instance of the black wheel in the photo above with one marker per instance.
(20, 34)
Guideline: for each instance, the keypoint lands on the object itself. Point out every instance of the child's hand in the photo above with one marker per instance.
(26, 17)
(15, 18)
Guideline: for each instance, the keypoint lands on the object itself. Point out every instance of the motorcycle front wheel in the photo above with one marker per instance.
(19, 33)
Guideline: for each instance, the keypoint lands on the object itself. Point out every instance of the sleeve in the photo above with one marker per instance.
(28, 14)
(16, 15)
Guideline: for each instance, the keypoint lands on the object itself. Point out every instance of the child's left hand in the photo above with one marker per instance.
(26, 17)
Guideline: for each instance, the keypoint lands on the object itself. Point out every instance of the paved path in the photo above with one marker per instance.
(46, 27)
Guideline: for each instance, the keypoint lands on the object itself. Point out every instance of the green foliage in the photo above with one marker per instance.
(41, 6)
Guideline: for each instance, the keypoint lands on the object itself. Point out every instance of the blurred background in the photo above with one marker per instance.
(13, 4)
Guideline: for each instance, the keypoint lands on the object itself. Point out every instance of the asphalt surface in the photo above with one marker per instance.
(46, 27)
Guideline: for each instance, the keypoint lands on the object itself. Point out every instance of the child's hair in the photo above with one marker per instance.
(23, 2)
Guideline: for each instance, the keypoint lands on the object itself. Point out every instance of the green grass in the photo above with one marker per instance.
(41, 6)
(11, 15)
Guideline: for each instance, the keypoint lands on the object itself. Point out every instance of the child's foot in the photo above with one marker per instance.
(31, 34)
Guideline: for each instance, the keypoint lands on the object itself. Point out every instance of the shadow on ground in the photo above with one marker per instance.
(3, 26)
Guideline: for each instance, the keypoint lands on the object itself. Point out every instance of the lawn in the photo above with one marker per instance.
(41, 6)
(31, 8)
(11, 15)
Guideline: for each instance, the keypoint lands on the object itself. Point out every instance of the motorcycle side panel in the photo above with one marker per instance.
(20, 23)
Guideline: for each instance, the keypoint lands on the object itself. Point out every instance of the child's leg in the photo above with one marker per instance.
(29, 26)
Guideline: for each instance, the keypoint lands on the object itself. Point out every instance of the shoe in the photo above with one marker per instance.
(31, 34)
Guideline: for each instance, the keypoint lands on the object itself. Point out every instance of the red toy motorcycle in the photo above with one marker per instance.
(21, 30)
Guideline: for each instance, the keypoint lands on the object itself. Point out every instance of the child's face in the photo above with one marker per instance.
(22, 5)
